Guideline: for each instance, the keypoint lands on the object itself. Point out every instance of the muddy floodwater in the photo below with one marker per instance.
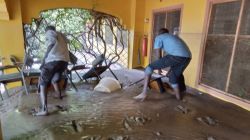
(89, 115)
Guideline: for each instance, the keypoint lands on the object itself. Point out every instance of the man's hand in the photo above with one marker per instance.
(159, 53)
(159, 71)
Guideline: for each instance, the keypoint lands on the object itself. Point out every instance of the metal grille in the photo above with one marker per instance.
(89, 33)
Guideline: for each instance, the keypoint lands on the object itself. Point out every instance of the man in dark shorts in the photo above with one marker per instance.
(177, 58)
(54, 63)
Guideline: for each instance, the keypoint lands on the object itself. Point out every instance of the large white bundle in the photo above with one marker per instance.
(107, 84)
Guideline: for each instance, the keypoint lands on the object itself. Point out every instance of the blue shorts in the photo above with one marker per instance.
(177, 66)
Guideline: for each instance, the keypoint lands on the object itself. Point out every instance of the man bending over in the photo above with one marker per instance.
(54, 63)
(177, 58)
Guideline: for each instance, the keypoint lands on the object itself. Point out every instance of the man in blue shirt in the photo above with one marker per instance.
(177, 58)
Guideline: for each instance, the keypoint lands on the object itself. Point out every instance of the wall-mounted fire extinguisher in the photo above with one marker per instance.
(144, 46)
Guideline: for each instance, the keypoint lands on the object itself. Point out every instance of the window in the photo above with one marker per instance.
(226, 64)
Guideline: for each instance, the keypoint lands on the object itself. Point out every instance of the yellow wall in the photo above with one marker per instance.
(11, 35)
(192, 23)
(11, 32)
(192, 31)
(138, 32)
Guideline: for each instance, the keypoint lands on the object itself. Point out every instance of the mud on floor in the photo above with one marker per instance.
(88, 115)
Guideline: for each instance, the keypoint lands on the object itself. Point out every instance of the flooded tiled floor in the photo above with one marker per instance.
(89, 115)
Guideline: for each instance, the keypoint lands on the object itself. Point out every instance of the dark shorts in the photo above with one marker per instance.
(177, 66)
(52, 71)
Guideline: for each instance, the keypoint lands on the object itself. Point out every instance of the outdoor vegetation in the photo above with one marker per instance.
(90, 34)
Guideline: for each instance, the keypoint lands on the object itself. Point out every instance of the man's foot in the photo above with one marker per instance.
(170, 91)
(41, 113)
(141, 97)
(58, 96)
(178, 96)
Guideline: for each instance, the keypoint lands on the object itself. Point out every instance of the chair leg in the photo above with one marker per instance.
(113, 74)
(97, 75)
(1, 92)
(70, 74)
(6, 90)
(71, 82)
(1, 95)
(78, 75)
(25, 85)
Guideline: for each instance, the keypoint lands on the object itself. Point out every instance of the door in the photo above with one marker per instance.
(169, 19)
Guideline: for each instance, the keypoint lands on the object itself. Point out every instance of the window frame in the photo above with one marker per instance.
(211, 90)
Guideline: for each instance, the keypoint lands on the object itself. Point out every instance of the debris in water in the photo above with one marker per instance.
(210, 121)
(119, 138)
(126, 125)
(184, 100)
(182, 109)
(157, 115)
(207, 120)
(158, 133)
(64, 130)
(140, 120)
(17, 111)
(136, 120)
(91, 138)
(200, 93)
(61, 108)
(76, 126)
(200, 120)
(210, 138)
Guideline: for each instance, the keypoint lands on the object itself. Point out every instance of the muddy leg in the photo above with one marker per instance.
(43, 101)
(58, 93)
(143, 95)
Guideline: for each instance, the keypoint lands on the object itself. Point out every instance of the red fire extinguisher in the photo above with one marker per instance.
(144, 46)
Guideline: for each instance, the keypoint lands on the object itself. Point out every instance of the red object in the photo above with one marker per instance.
(144, 46)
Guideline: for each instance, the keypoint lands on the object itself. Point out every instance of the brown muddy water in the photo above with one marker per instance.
(88, 115)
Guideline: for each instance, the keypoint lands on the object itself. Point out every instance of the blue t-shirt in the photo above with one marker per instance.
(172, 45)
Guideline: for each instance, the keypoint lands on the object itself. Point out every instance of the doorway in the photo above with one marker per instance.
(165, 18)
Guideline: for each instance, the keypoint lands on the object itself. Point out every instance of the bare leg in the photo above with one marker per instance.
(143, 95)
(175, 90)
(57, 90)
(177, 93)
(43, 100)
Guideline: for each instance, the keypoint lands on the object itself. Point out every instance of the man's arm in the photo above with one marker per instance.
(51, 38)
(46, 54)
(158, 45)
(159, 55)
